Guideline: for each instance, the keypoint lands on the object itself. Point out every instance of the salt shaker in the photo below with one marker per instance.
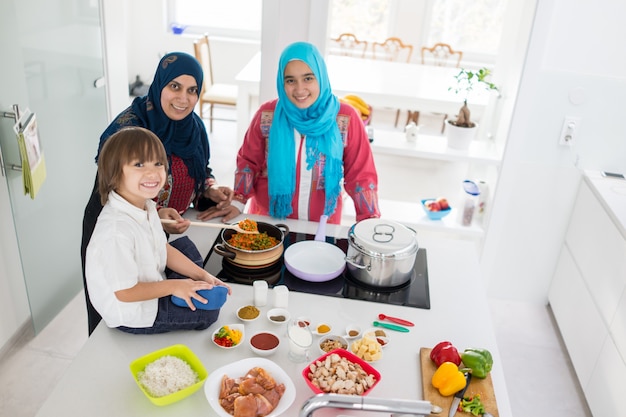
(281, 296)
(260, 292)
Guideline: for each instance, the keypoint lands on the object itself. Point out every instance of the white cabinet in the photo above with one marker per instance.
(588, 298)
(579, 321)
(605, 390)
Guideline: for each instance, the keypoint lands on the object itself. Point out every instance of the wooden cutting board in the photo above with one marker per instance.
(484, 387)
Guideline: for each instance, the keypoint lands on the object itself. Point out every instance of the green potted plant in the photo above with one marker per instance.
(462, 130)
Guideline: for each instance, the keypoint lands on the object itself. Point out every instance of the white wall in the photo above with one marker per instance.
(574, 67)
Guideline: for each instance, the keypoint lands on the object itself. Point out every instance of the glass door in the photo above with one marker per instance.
(52, 57)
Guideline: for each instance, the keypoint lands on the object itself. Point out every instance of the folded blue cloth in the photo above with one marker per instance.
(216, 296)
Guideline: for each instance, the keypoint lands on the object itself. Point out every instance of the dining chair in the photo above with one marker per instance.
(441, 55)
(392, 49)
(212, 93)
(349, 45)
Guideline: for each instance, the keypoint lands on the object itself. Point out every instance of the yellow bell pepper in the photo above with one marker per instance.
(448, 379)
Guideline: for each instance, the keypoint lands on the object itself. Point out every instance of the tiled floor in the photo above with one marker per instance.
(537, 369)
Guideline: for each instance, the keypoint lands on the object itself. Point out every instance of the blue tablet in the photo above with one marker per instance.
(216, 296)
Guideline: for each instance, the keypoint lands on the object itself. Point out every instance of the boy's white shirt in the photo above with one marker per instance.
(128, 245)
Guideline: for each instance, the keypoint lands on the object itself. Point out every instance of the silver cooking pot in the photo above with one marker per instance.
(381, 253)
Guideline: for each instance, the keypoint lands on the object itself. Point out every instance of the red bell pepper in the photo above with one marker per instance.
(445, 352)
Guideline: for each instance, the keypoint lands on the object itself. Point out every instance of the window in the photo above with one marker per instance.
(230, 18)
(473, 27)
(367, 20)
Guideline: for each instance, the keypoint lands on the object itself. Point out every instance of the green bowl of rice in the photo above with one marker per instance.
(168, 375)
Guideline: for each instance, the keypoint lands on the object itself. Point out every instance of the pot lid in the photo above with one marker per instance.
(383, 236)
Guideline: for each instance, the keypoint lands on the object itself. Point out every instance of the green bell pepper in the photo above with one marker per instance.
(479, 361)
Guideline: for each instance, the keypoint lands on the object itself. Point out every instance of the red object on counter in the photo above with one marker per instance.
(395, 320)
(445, 352)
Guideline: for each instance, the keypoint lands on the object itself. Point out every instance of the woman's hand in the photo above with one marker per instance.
(228, 213)
(181, 224)
(220, 195)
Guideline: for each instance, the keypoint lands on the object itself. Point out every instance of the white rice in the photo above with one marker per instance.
(167, 375)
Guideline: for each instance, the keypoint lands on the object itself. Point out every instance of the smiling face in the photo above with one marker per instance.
(179, 97)
(141, 180)
(301, 85)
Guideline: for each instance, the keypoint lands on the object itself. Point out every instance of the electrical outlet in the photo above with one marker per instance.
(568, 131)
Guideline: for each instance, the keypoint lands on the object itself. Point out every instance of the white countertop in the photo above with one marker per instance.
(612, 195)
(99, 383)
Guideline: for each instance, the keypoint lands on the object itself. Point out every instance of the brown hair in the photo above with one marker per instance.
(121, 148)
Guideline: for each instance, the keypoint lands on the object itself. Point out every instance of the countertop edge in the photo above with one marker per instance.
(613, 202)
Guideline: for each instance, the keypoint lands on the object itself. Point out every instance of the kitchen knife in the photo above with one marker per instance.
(459, 396)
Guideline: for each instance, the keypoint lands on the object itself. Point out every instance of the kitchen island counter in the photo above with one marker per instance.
(99, 383)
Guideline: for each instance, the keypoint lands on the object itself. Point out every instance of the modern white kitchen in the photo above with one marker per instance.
(548, 257)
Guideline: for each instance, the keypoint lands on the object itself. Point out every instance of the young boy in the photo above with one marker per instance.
(128, 252)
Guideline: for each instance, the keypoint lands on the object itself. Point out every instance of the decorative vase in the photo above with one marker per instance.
(460, 137)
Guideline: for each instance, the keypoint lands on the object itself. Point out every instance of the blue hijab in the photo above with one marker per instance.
(318, 122)
(186, 138)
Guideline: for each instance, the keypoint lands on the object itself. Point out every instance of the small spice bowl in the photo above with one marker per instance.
(353, 331)
(382, 340)
(332, 342)
(305, 320)
(248, 313)
(278, 316)
(321, 329)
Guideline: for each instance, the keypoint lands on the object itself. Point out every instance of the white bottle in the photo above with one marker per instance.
(471, 201)
(281, 296)
(481, 205)
(260, 292)
(411, 132)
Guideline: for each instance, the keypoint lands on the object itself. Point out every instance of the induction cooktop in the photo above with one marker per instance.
(414, 293)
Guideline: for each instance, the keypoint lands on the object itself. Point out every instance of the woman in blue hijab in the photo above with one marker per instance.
(301, 149)
(168, 111)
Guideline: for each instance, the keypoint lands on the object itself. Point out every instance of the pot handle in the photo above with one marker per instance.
(351, 261)
(320, 235)
(221, 250)
(283, 227)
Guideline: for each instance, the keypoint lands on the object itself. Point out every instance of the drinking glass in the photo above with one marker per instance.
(300, 340)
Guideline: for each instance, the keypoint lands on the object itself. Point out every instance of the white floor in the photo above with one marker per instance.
(538, 371)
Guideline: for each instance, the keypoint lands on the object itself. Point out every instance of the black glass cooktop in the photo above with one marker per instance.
(414, 293)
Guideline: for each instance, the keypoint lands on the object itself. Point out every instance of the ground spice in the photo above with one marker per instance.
(323, 328)
(353, 333)
(248, 312)
(277, 318)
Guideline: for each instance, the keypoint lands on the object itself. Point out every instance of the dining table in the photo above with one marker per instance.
(380, 83)
(99, 383)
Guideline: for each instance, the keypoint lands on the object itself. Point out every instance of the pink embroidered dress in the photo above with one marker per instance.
(360, 179)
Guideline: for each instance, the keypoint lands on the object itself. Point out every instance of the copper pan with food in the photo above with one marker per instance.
(251, 250)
